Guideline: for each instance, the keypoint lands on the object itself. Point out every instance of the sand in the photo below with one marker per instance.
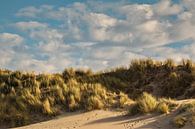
(100, 119)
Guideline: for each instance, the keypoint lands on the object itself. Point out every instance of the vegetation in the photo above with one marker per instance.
(28, 97)
(148, 104)
(186, 115)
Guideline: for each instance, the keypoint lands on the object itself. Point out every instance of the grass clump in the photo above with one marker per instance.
(124, 100)
(166, 105)
(163, 108)
(147, 103)
(186, 115)
(179, 121)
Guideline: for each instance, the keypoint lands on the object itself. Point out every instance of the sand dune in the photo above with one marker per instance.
(100, 119)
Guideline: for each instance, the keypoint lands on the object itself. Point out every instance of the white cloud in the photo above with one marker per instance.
(8, 39)
(150, 26)
(136, 13)
(165, 7)
(101, 20)
(30, 25)
(104, 35)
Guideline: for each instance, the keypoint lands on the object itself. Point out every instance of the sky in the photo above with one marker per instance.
(51, 35)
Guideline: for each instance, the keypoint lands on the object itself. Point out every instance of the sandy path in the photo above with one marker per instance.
(104, 120)
(100, 119)
(97, 119)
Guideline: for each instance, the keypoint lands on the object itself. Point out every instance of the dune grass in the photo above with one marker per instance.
(148, 103)
(186, 115)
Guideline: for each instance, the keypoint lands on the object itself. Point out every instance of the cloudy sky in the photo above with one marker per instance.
(49, 35)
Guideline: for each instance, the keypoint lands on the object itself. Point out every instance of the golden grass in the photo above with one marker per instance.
(47, 108)
(163, 108)
(147, 103)
(179, 121)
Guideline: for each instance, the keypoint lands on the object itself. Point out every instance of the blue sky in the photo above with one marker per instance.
(49, 35)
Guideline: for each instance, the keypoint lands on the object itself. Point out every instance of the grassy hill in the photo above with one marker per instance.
(28, 97)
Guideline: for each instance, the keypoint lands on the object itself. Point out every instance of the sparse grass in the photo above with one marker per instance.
(186, 114)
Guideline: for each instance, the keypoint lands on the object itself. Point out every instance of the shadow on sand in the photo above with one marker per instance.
(150, 121)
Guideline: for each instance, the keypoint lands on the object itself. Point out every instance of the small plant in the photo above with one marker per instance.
(123, 99)
(187, 107)
(179, 121)
(147, 103)
(163, 108)
(169, 102)
(144, 104)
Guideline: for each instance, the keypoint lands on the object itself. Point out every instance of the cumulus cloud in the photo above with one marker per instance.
(8, 39)
(166, 7)
(100, 36)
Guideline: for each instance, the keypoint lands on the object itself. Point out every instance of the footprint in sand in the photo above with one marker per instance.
(135, 124)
